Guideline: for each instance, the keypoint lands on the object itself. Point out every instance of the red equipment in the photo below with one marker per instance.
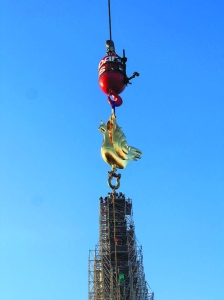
(112, 77)
(112, 72)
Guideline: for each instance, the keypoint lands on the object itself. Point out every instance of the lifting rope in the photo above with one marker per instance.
(109, 20)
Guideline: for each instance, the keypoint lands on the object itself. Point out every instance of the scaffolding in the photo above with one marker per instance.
(116, 269)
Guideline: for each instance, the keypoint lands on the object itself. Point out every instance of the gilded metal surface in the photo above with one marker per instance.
(115, 150)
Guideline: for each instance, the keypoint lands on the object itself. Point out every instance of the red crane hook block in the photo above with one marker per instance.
(112, 75)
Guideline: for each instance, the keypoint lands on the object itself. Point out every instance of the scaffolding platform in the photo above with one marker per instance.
(116, 265)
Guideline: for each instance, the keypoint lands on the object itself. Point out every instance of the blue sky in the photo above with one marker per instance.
(51, 171)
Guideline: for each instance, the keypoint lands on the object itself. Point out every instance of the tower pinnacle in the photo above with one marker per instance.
(116, 269)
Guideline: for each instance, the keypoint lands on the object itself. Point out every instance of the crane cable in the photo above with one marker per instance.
(110, 31)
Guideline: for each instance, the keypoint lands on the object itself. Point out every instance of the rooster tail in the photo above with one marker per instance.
(134, 153)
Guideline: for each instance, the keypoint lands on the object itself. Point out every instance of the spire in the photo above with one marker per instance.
(116, 269)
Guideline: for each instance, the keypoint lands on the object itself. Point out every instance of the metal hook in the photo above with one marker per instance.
(112, 175)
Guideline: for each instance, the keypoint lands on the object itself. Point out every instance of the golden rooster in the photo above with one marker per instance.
(115, 150)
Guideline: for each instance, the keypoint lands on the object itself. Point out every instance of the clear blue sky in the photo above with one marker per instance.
(51, 171)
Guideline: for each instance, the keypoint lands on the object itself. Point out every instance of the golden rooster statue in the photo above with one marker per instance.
(115, 150)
